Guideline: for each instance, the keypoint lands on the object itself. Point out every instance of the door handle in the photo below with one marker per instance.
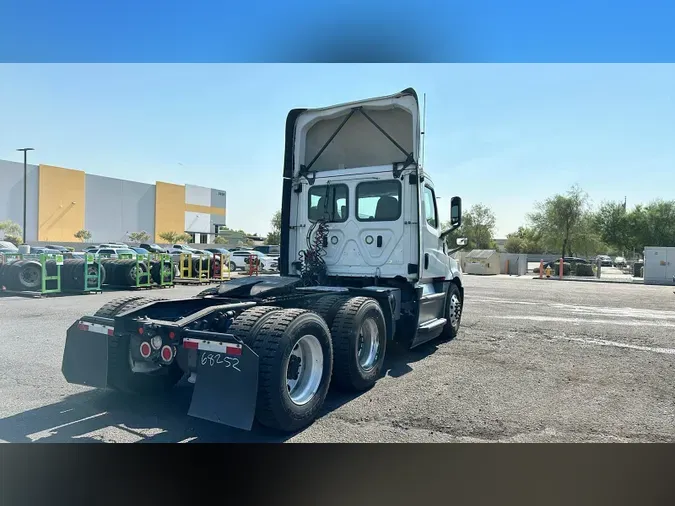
(325, 241)
(426, 260)
(379, 241)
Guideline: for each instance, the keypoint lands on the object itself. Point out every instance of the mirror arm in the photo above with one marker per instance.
(445, 233)
(457, 249)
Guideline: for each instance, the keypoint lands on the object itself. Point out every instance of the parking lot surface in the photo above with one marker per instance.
(535, 361)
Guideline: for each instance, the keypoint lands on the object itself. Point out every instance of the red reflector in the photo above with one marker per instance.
(191, 345)
(232, 350)
(172, 335)
(111, 332)
(141, 330)
(82, 326)
(145, 350)
(167, 353)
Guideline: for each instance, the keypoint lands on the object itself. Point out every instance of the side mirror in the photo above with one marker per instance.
(456, 211)
(462, 241)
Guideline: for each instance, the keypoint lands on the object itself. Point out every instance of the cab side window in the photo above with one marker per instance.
(430, 211)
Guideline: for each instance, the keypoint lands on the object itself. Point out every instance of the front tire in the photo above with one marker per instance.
(360, 342)
(453, 312)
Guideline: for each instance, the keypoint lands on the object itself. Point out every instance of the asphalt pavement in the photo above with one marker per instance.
(535, 361)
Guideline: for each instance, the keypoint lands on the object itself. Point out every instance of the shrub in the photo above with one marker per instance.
(584, 270)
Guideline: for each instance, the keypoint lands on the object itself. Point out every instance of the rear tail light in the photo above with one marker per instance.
(166, 353)
(145, 349)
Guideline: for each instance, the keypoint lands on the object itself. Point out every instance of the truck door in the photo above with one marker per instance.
(434, 260)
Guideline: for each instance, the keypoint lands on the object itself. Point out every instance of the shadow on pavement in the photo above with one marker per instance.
(98, 416)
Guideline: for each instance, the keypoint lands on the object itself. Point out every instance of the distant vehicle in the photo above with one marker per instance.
(140, 251)
(184, 248)
(224, 252)
(154, 248)
(39, 250)
(605, 260)
(114, 252)
(63, 249)
(113, 245)
(272, 250)
(619, 262)
(569, 260)
(241, 260)
(8, 247)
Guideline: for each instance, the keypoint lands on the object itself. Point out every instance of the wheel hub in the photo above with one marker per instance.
(455, 310)
(294, 364)
(368, 344)
(304, 370)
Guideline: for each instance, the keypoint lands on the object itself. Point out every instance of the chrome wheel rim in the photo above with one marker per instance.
(304, 370)
(455, 310)
(368, 344)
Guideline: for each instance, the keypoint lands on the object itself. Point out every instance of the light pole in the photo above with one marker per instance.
(25, 186)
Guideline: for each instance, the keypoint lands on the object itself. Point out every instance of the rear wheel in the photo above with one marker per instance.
(360, 342)
(327, 307)
(295, 364)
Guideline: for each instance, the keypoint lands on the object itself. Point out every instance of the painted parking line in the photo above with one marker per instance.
(583, 321)
(614, 312)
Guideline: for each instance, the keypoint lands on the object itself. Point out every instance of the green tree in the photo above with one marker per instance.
(478, 226)
(175, 237)
(141, 236)
(82, 235)
(524, 240)
(611, 223)
(557, 219)
(12, 232)
(586, 241)
(220, 240)
(274, 237)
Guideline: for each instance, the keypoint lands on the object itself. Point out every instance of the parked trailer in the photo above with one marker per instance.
(363, 263)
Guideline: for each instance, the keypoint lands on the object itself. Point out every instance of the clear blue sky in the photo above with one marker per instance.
(503, 135)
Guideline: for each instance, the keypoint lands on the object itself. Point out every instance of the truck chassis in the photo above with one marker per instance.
(262, 349)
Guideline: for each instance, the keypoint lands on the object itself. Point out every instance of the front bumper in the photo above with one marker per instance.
(223, 369)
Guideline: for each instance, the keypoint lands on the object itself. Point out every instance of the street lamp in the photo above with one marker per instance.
(25, 186)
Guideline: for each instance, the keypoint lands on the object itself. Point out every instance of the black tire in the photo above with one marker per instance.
(248, 322)
(349, 373)
(452, 326)
(233, 267)
(28, 275)
(327, 307)
(274, 341)
(110, 309)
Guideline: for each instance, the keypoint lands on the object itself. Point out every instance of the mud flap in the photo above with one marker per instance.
(226, 386)
(85, 357)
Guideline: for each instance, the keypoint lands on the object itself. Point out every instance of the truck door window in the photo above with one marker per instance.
(330, 202)
(430, 207)
(378, 201)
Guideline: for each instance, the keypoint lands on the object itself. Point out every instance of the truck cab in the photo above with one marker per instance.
(356, 193)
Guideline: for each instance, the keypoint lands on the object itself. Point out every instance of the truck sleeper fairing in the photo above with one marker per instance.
(343, 147)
